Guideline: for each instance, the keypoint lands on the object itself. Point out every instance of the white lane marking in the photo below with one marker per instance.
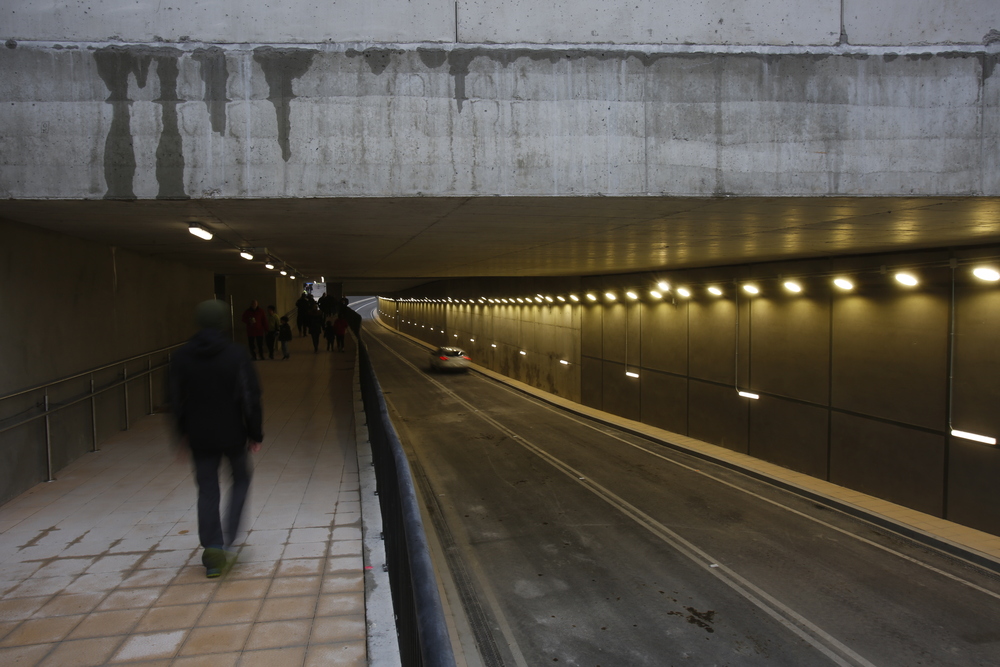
(822, 641)
(589, 424)
(703, 473)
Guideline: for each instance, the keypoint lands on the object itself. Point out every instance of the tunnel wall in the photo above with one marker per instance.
(854, 386)
(73, 305)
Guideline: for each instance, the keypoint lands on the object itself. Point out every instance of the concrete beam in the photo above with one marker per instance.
(175, 122)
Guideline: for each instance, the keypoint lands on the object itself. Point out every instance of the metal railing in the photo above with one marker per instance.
(42, 407)
(420, 623)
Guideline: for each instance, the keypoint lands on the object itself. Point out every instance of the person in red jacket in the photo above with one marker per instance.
(339, 329)
(256, 320)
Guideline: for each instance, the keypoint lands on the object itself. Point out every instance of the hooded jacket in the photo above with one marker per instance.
(215, 394)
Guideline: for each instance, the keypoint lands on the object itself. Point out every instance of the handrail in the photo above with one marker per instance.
(88, 372)
(47, 410)
(421, 628)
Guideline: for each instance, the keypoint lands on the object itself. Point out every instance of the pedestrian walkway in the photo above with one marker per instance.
(103, 566)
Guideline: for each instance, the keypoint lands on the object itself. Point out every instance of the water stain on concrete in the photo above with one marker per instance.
(115, 64)
(377, 59)
(215, 75)
(281, 67)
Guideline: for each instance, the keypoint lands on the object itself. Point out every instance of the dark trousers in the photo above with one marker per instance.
(315, 337)
(210, 526)
(259, 340)
(270, 337)
(340, 342)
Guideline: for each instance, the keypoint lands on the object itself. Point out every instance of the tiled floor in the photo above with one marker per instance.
(103, 566)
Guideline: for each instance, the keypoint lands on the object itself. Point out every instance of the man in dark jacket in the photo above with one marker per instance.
(256, 320)
(215, 396)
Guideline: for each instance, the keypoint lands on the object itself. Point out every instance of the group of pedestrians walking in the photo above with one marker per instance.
(325, 317)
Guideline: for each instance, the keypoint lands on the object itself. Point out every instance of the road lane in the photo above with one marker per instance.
(658, 558)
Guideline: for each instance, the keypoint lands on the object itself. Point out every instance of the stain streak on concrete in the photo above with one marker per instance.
(215, 75)
(377, 59)
(114, 65)
(281, 67)
(170, 151)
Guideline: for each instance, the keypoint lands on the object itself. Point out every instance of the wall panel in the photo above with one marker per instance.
(791, 434)
(717, 414)
(902, 465)
(664, 401)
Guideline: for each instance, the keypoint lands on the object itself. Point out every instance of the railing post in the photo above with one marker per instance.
(93, 412)
(125, 388)
(149, 383)
(48, 440)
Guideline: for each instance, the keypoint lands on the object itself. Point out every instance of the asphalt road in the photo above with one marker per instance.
(575, 544)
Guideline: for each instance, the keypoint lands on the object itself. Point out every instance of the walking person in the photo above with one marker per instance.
(328, 335)
(302, 308)
(339, 330)
(314, 321)
(272, 330)
(256, 320)
(284, 336)
(215, 398)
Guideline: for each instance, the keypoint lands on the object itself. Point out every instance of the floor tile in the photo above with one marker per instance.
(305, 550)
(279, 609)
(70, 604)
(353, 654)
(41, 630)
(281, 657)
(130, 598)
(187, 593)
(241, 589)
(300, 567)
(105, 624)
(329, 629)
(170, 618)
(24, 655)
(343, 582)
(216, 639)
(210, 660)
(277, 634)
(82, 652)
(150, 646)
(288, 586)
(153, 577)
(238, 611)
(341, 603)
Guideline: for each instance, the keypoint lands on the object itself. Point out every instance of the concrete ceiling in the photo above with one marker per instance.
(381, 244)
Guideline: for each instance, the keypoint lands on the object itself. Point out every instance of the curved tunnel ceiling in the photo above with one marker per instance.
(403, 241)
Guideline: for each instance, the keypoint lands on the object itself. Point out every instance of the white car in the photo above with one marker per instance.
(449, 359)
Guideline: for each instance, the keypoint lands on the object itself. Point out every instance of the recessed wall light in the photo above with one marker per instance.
(663, 285)
(793, 286)
(986, 273)
(844, 284)
(747, 394)
(715, 290)
(751, 289)
(974, 436)
(907, 279)
(684, 292)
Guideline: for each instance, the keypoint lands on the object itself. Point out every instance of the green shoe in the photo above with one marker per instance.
(214, 560)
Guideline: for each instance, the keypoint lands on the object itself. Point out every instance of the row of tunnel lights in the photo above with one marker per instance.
(662, 288)
(904, 278)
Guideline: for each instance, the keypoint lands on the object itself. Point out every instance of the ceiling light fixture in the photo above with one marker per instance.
(751, 289)
(200, 232)
(844, 284)
(907, 279)
(684, 292)
(715, 290)
(245, 255)
(663, 285)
